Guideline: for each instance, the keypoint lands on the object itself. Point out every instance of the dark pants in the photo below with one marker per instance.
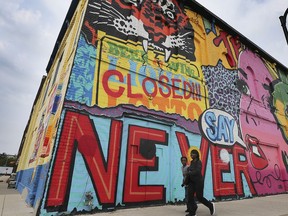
(186, 197)
(196, 187)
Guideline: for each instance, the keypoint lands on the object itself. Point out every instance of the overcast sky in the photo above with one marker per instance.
(29, 29)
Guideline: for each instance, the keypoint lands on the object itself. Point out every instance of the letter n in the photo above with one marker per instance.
(78, 131)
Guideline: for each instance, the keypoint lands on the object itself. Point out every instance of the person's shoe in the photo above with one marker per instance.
(212, 209)
(190, 215)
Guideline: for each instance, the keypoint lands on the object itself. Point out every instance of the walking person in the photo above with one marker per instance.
(196, 185)
(184, 169)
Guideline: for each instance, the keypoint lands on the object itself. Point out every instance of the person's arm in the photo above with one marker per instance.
(184, 172)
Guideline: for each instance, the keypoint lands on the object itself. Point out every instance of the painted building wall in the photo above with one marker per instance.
(38, 141)
(150, 81)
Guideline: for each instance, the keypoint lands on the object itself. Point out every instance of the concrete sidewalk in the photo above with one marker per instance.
(276, 205)
(12, 204)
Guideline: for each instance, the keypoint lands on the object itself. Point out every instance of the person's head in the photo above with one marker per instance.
(184, 160)
(194, 154)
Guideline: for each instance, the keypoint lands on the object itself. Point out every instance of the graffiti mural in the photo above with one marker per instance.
(170, 32)
(258, 126)
(149, 82)
(137, 163)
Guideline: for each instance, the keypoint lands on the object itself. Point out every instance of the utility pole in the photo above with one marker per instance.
(283, 20)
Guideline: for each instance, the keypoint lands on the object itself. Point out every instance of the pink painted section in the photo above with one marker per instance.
(261, 135)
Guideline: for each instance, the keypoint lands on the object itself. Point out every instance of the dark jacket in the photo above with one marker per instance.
(194, 171)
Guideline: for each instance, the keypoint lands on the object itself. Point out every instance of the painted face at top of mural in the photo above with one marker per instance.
(254, 83)
(259, 87)
(160, 24)
(256, 120)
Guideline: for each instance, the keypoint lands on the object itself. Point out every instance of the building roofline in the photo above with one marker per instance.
(65, 25)
(192, 5)
(197, 7)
